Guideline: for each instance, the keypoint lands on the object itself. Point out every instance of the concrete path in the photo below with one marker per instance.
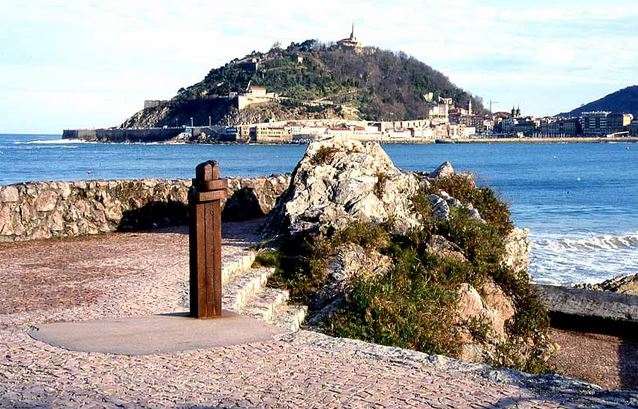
(141, 274)
(165, 333)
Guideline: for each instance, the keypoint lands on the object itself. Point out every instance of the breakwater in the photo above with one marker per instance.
(123, 135)
(42, 210)
(142, 135)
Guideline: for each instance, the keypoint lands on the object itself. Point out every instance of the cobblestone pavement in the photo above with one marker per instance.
(146, 273)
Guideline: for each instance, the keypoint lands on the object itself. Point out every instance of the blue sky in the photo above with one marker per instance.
(69, 64)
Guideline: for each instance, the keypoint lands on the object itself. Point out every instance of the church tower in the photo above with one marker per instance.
(351, 43)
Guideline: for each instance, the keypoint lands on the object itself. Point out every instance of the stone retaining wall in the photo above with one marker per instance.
(41, 210)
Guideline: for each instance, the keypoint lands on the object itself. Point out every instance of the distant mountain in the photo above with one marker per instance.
(315, 80)
(623, 101)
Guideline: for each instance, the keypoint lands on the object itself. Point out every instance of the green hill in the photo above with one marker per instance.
(373, 84)
(622, 101)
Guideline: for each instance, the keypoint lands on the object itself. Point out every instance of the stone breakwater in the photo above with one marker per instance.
(42, 210)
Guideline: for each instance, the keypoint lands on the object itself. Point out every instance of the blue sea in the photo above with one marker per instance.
(580, 201)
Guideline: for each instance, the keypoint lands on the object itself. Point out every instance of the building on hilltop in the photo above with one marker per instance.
(351, 43)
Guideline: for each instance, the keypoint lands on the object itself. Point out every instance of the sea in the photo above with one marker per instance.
(579, 201)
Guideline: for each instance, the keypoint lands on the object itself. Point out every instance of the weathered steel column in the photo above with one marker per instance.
(205, 240)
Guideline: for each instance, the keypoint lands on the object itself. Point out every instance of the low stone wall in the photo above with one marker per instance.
(41, 210)
(579, 305)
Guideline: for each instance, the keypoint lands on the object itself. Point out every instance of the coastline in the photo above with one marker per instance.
(384, 141)
(627, 139)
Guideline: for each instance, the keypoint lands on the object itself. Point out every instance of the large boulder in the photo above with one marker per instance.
(481, 318)
(339, 181)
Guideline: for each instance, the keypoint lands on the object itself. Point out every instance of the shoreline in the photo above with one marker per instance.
(398, 141)
(627, 139)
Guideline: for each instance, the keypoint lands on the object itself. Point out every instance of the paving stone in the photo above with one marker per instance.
(146, 273)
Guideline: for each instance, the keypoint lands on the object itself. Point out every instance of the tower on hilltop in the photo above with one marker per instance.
(351, 43)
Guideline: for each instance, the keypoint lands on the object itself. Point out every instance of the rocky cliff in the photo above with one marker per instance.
(425, 261)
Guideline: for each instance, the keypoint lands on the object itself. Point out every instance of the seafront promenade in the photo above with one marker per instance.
(171, 135)
(139, 274)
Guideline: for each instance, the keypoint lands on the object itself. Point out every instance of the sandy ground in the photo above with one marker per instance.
(606, 360)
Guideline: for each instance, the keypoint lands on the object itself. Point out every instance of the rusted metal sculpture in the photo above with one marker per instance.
(205, 241)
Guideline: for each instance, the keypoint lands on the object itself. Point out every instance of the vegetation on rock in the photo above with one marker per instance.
(415, 303)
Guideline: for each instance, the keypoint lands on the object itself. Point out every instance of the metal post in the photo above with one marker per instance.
(205, 241)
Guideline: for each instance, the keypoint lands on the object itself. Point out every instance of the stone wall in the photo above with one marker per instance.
(41, 210)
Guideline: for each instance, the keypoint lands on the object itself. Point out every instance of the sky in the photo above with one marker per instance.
(84, 64)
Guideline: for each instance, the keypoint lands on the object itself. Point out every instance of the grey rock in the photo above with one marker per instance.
(517, 249)
(474, 214)
(351, 261)
(339, 181)
(621, 308)
(440, 207)
(444, 170)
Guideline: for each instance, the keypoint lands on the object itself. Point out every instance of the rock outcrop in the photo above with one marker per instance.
(339, 181)
(517, 249)
(621, 284)
(41, 210)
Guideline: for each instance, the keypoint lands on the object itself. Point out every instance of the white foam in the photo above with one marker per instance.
(592, 258)
(51, 142)
(607, 242)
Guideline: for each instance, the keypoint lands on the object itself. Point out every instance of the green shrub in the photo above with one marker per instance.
(267, 258)
(494, 211)
(414, 304)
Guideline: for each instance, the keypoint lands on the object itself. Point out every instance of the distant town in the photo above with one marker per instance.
(445, 121)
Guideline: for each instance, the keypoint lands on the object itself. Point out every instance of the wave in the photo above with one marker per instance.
(591, 259)
(602, 242)
(51, 142)
(37, 147)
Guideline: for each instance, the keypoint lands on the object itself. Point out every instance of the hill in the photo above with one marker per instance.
(313, 80)
(623, 101)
